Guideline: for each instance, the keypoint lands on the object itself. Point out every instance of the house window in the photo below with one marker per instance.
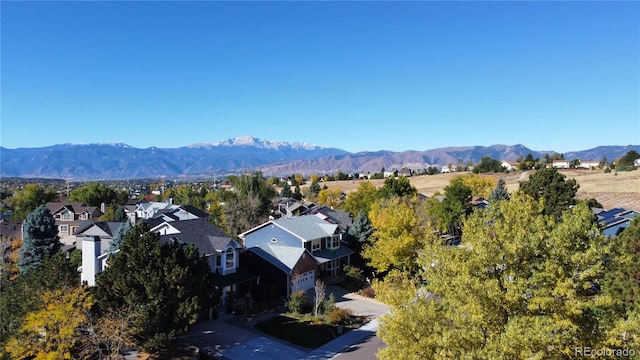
(333, 242)
(219, 261)
(332, 265)
(84, 216)
(230, 259)
(64, 229)
(315, 245)
(66, 216)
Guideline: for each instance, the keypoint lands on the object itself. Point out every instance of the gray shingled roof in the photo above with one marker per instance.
(307, 228)
(283, 257)
(205, 236)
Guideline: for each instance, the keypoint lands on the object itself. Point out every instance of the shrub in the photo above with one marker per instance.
(607, 170)
(368, 292)
(339, 316)
(329, 304)
(296, 302)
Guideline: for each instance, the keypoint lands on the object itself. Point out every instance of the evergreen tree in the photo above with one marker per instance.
(118, 237)
(286, 191)
(167, 285)
(361, 229)
(314, 189)
(550, 185)
(500, 192)
(40, 238)
(296, 193)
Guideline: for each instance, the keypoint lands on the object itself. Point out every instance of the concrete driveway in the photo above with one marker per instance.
(230, 338)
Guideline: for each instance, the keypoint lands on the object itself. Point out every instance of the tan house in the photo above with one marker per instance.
(69, 217)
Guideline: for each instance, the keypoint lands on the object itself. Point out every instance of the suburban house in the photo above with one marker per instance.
(69, 217)
(167, 211)
(221, 251)
(589, 164)
(287, 207)
(94, 239)
(561, 164)
(636, 162)
(613, 222)
(509, 165)
(317, 234)
(282, 269)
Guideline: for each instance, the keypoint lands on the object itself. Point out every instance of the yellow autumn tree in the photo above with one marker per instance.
(330, 197)
(480, 185)
(522, 285)
(51, 332)
(400, 231)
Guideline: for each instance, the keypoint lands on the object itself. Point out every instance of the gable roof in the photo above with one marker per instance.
(109, 227)
(283, 257)
(307, 227)
(340, 217)
(208, 238)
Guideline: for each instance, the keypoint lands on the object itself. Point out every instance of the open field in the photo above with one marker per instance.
(611, 190)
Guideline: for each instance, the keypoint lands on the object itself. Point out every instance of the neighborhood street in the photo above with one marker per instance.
(231, 337)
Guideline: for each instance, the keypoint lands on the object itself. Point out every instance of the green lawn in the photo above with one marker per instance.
(298, 332)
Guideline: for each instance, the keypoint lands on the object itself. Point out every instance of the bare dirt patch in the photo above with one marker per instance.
(611, 190)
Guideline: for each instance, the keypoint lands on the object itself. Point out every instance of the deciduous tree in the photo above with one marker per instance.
(330, 197)
(94, 194)
(361, 199)
(396, 186)
(522, 285)
(27, 200)
(400, 229)
(51, 331)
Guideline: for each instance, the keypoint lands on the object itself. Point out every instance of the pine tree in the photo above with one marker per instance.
(167, 285)
(286, 191)
(500, 192)
(40, 239)
(550, 185)
(361, 229)
(296, 193)
(118, 238)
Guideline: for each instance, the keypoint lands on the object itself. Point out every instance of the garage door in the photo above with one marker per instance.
(304, 281)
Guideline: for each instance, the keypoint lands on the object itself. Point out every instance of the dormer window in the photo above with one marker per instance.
(66, 215)
(333, 242)
(315, 245)
(230, 259)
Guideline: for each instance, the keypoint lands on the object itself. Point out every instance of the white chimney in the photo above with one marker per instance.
(91, 266)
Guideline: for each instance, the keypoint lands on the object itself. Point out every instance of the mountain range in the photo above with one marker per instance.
(121, 161)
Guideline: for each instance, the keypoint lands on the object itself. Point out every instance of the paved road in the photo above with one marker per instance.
(228, 338)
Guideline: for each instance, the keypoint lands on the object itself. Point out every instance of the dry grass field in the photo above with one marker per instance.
(611, 190)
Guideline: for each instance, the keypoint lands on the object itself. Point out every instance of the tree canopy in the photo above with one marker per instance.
(550, 186)
(29, 198)
(399, 233)
(396, 186)
(94, 194)
(361, 199)
(521, 285)
(488, 164)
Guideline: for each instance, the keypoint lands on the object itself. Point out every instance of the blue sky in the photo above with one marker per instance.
(360, 76)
